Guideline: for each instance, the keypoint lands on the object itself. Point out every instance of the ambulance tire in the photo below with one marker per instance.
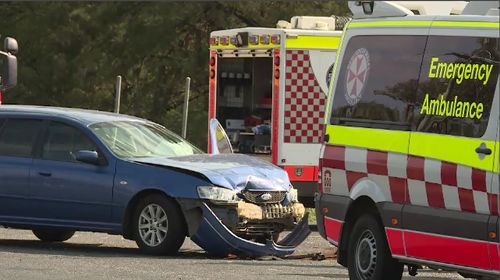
(369, 256)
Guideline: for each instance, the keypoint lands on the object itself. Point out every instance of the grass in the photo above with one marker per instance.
(312, 215)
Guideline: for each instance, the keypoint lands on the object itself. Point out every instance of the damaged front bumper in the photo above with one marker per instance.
(218, 240)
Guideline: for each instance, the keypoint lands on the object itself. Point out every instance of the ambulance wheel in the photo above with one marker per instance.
(369, 256)
(158, 225)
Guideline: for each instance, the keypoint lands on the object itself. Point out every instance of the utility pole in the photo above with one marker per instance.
(186, 107)
(118, 93)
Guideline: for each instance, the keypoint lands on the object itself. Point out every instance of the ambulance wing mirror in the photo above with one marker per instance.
(9, 71)
(10, 45)
(219, 142)
(8, 78)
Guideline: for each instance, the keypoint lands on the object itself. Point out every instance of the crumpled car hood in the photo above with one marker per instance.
(231, 171)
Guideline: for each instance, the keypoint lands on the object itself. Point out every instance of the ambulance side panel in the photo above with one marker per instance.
(432, 178)
(450, 180)
(364, 160)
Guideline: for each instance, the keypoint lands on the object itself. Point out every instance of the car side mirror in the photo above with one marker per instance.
(90, 157)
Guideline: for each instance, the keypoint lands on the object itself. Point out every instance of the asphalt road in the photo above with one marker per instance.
(101, 256)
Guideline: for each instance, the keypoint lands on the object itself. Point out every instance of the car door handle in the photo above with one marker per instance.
(45, 173)
(483, 150)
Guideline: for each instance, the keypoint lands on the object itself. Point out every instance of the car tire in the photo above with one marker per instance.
(369, 256)
(53, 235)
(159, 228)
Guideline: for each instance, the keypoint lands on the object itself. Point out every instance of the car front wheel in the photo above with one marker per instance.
(53, 235)
(159, 228)
(369, 256)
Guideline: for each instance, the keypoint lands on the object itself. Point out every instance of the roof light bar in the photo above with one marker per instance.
(224, 40)
(275, 39)
(265, 39)
(253, 39)
(214, 40)
(234, 40)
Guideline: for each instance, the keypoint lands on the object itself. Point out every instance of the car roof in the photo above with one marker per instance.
(83, 116)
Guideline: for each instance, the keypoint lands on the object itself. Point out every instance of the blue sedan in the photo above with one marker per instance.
(65, 170)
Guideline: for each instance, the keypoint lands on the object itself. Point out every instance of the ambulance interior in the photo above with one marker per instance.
(244, 94)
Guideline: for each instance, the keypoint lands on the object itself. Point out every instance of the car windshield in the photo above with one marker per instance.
(133, 139)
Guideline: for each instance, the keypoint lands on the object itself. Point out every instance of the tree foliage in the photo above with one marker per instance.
(70, 53)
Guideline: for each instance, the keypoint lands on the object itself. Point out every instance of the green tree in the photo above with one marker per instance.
(70, 53)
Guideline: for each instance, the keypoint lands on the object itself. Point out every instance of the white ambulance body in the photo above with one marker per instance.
(277, 77)
(403, 183)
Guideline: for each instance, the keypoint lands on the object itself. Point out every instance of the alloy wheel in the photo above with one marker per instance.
(153, 225)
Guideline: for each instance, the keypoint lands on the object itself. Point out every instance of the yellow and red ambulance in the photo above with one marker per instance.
(409, 168)
(267, 87)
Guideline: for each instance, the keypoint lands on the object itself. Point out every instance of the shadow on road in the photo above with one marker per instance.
(101, 250)
(94, 250)
(266, 263)
(319, 275)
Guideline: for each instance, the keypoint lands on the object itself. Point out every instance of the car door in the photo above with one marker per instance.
(17, 138)
(453, 148)
(219, 142)
(69, 191)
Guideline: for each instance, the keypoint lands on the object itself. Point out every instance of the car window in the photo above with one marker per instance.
(18, 136)
(62, 142)
(129, 139)
(457, 85)
(377, 81)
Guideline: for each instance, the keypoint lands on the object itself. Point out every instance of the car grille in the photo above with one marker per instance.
(276, 211)
(257, 197)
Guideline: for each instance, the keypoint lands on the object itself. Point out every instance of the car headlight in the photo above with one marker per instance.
(217, 194)
(293, 195)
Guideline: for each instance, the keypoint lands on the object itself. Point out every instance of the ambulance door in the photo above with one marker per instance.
(451, 161)
(494, 204)
(219, 142)
(369, 129)
(308, 61)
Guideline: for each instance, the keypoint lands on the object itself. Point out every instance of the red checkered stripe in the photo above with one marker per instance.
(304, 100)
(411, 179)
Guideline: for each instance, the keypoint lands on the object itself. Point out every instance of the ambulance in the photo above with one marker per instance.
(8, 62)
(267, 87)
(409, 165)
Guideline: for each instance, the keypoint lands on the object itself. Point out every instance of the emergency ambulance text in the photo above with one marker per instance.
(448, 108)
(460, 71)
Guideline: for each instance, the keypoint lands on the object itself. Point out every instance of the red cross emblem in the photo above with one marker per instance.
(357, 71)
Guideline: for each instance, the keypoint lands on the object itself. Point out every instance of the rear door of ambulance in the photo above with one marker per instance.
(453, 163)
(242, 85)
(308, 59)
